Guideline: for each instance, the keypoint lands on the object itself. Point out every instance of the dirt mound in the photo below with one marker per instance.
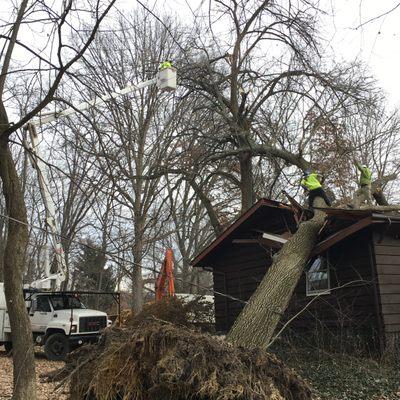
(154, 359)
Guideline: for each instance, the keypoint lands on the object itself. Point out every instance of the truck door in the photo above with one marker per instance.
(40, 313)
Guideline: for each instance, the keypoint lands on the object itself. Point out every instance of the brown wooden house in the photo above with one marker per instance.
(350, 288)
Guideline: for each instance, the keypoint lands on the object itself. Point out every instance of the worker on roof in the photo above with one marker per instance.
(164, 65)
(311, 183)
(363, 194)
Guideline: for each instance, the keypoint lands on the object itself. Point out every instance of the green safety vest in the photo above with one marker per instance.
(366, 174)
(165, 65)
(311, 182)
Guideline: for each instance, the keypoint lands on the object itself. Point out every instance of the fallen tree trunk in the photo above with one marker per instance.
(258, 320)
(379, 197)
(376, 189)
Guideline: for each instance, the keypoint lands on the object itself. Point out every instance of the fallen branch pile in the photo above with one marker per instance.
(154, 359)
(194, 314)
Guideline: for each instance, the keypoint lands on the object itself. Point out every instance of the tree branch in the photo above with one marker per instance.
(10, 48)
(50, 94)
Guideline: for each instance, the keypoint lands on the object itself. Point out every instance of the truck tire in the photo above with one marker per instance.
(8, 347)
(56, 347)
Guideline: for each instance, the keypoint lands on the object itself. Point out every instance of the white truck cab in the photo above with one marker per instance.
(60, 322)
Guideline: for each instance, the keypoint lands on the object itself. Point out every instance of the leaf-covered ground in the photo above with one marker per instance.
(333, 376)
(344, 377)
(45, 391)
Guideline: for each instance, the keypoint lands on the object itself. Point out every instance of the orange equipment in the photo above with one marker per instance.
(166, 273)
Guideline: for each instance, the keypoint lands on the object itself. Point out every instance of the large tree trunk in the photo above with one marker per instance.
(258, 320)
(137, 287)
(137, 278)
(17, 239)
(246, 180)
(16, 243)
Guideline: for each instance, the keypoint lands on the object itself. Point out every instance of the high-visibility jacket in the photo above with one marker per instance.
(165, 65)
(311, 182)
(366, 175)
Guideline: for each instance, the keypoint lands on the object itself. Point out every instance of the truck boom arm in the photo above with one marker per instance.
(55, 280)
(51, 116)
(165, 81)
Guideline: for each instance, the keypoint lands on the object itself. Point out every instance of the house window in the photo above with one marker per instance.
(317, 277)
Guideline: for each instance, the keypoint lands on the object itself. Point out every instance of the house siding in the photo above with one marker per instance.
(237, 273)
(349, 309)
(350, 312)
(387, 259)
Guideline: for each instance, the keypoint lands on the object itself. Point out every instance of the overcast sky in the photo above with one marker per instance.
(376, 43)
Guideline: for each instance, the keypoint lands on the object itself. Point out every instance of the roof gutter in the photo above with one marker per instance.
(390, 218)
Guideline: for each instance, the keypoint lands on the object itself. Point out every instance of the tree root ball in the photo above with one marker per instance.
(155, 359)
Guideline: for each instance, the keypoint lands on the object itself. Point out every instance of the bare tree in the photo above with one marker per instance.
(239, 87)
(130, 137)
(60, 21)
(75, 184)
(190, 230)
(374, 140)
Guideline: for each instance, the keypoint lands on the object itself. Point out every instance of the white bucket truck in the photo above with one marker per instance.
(59, 320)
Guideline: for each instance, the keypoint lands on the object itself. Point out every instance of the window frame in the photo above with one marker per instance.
(63, 297)
(43, 300)
(318, 292)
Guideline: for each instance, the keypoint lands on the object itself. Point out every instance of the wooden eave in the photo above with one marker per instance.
(353, 228)
(267, 239)
(340, 235)
(360, 218)
(214, 244)
(321, 246)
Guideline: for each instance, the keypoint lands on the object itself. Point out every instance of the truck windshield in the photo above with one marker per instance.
(63, 302)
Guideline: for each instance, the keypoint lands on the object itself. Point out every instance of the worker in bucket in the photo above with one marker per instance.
(164, 65)
(363, 194)
(311, 183)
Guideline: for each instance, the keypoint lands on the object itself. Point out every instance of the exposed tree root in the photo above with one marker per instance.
(159, 360)
(153, 359)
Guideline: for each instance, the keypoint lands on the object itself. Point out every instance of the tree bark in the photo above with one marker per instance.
(246, 180)
(208, 206)
(137, 285)
(258, 320)
(137, 251)
(379, 197)
(376, 188)
(17, 239)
